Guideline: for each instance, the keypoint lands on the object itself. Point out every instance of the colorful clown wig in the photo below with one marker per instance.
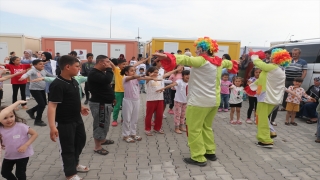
(207, 44)
(280, 57)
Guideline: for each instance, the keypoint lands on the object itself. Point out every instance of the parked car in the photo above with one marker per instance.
(310, 51)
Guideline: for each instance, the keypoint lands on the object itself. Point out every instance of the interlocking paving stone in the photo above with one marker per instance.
(295, 154)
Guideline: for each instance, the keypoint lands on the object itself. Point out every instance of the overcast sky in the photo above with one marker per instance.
(252, 22)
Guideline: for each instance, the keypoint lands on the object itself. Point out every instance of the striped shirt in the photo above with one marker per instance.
(295, 69)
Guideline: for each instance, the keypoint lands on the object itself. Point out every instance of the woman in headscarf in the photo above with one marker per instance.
(27, 59)
(225, 71)
(49, 66)
(245, 67)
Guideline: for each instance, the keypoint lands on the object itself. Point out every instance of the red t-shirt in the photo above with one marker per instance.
(15, 69)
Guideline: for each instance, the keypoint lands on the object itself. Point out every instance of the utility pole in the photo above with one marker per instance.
(138, 40)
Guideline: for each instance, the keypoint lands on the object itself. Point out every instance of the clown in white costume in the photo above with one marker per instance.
(203, 96)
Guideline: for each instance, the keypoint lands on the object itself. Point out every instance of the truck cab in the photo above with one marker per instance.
(310, 52)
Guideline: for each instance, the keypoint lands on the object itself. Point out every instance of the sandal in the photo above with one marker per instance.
(248, 121)
(311, 122)
(128, 139)
(137, 138)
(160, 131)
(239, 122)
(287, 123)
(82, 168)
(177, 130)
(294, 123)
(274, 124)
(101, 151)
(282, 109)
(107, 142)
(233, 122)
(148, 133)
(75, 177)
(317, 141)
(183, 129)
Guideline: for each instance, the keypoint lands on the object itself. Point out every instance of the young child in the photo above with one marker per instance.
(225, 93)
(174, 77)
(155, 101)
(235, 100)
(142, 82)
(252, 98)
(293, 100)
(37, 90)
(180, 100)
(15, 66)
(131, 103)
(14, 133)
(64, 117)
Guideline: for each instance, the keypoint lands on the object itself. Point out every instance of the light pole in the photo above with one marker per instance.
(138, 40)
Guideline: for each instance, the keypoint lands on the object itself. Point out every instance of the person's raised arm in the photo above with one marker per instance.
(10, 108)
(180, 68)
(11, 76)
(140, 62)
(167, 87)
(182, 59)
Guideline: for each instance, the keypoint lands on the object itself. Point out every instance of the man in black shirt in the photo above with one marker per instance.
(101, 102)
(64, 116)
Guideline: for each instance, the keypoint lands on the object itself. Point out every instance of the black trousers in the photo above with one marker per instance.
(72, 137)
(21, 168)
(40, 97)
(1, 95)
(252, 105)
(172, 94)
(272, 116)
(86, 90)
(15, 88)
(287, 84)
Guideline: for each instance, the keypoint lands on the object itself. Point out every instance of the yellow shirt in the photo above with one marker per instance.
(118, 80)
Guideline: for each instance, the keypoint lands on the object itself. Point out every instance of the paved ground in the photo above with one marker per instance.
(295, 155)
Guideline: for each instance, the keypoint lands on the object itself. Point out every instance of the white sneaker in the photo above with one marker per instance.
(164, 117)
(27, 98)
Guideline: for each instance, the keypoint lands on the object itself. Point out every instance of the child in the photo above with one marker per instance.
(6, 78)
(180, 100)
(119, 90)
(293, 100)
(86, 68)
(131, 103)
(235, 101)
(225, 93)
(16, 141)
(15, 66)
(37, 89)
(252, 99)
(142, 82)
(174, 77)
(155, 101)
(64, 117)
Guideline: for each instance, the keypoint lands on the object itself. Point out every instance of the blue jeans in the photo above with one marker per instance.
(27, 89)
(224, 104)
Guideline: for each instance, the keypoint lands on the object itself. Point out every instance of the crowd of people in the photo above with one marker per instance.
(114, 85)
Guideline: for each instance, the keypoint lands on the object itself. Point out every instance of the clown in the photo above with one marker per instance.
(269, 89)
(203, 96)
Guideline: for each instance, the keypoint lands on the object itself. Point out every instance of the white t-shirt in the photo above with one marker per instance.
(160, 76)
(152, 87)
(132, 62)
(181, 92)
(236, 95)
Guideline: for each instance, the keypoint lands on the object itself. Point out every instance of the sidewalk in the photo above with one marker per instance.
(295, 154)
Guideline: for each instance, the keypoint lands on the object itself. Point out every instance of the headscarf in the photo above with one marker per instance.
(47, 55)
(244, 64)
(24, 60)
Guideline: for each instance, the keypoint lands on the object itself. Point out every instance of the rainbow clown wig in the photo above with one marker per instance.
(280, 57)
(207, 44)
